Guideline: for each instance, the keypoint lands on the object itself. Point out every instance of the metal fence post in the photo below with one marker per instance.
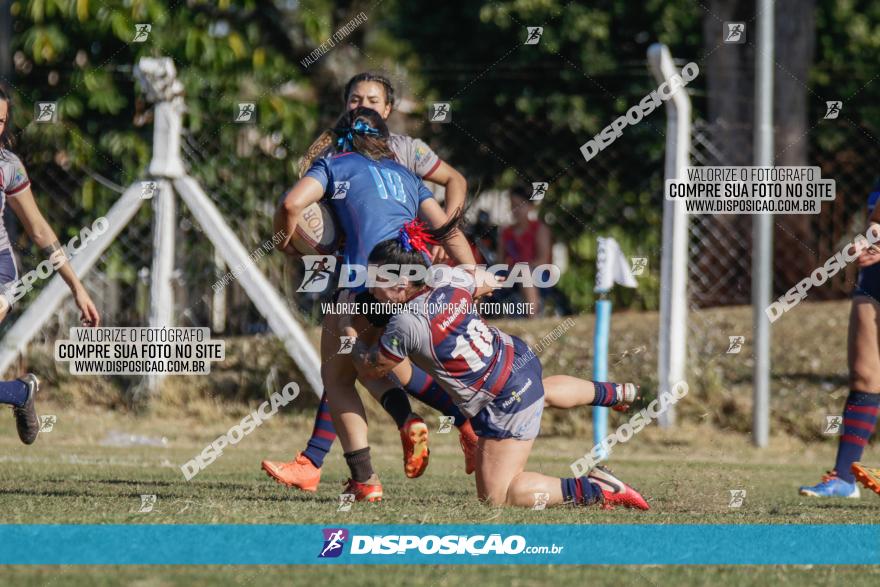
(762, 255)
(159, 79)
(674, 258)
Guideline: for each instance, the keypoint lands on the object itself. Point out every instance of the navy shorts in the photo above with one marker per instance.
(868, 283)
(516, 411)
(8, 274)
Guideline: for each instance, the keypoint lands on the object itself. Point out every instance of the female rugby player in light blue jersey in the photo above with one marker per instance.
(304, 471)
(382, 196)
(15, 190)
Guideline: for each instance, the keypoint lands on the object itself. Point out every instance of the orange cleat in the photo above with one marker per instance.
(300, 473)
(867, 476)
(369, 490)
(414, 437)
(615, 491)
(468, 441)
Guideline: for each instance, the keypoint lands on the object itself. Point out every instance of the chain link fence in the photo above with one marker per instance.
(720, 245)
(603, 197)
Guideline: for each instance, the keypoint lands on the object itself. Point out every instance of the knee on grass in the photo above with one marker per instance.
(494, 497)
(518, 492)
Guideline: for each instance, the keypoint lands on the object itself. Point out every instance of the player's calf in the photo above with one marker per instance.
(601, 488)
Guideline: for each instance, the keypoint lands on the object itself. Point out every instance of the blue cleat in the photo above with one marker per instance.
(832, 486)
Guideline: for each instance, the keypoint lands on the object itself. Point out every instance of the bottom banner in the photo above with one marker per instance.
(452, 544)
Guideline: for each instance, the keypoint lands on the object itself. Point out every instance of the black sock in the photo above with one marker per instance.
(359, 464)
(396, 403)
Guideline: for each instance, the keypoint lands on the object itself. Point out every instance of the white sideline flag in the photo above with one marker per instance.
(612, 266)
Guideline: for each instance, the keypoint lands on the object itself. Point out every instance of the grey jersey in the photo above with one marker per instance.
(441, 332)
(13, 180)
(412, 153)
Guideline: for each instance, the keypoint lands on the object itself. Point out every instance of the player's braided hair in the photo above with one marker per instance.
(363, 131)
(325, 139)
(321, 144)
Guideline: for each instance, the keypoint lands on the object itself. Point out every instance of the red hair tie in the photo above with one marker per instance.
(413, 235)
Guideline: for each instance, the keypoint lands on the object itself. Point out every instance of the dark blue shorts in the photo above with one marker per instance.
(516, 411)
(868, 283)
(8, 274)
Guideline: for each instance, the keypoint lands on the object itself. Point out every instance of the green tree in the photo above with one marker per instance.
(521, 112)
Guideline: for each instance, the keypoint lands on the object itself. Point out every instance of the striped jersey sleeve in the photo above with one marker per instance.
(402, 337)
(13, 176)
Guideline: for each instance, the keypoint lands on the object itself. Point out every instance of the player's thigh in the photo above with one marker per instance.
(498, 462)
(863, 345)
(403, 372)
(8, 280)
(378, 386)
(336, 369)
(329, 336)
(532, 297)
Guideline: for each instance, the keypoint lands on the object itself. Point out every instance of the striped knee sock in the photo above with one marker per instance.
(580, 491)
(323, 435)
(859, 418)
(423, 387)
(607, 394)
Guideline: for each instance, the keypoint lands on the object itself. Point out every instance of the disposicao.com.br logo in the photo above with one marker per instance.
(451, 544)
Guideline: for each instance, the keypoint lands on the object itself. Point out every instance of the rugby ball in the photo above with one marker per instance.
(316, 232)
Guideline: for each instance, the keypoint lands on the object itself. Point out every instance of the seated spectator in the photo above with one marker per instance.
(527, 240)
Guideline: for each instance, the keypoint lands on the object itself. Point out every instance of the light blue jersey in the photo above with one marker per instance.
(372, 200)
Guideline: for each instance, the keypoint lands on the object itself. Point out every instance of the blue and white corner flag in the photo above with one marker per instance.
(612, 266)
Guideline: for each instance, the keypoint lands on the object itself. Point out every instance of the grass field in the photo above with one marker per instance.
(71, 476)
(81, 471)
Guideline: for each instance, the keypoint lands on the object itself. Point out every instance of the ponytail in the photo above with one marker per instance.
(363, 131)
(322, 144)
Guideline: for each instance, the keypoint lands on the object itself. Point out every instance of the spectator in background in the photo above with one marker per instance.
(527, 240)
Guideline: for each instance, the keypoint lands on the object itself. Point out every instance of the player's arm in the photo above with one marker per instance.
(543, 245)
(485, 282)
(453, 182)
(376, 358)
(307, 191)
(871, 254)
(370, 361)
(501, 248)
(25, 208)
(425, 163)
(456, 244)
